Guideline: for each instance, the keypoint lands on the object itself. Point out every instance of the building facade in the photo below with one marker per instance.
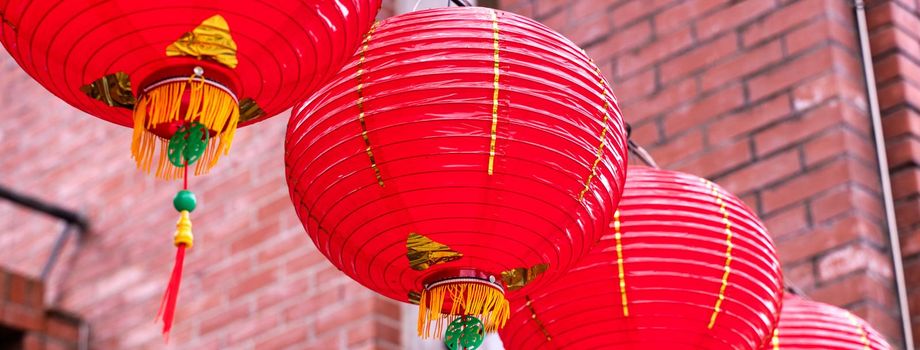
(766, 97)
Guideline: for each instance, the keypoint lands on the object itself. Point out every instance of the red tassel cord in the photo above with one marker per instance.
(185, 203)
(168, 305)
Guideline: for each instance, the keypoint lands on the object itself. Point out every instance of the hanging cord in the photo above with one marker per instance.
(184, 203)
(640, 152)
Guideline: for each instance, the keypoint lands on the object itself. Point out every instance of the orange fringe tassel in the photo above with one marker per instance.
(468, 299)
(209, 105)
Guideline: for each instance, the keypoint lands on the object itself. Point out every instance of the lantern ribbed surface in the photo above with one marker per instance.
(286, 49)
(459, 142)
(684, 265)
(806, 324)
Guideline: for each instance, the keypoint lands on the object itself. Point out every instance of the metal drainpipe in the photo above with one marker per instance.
(881, 154)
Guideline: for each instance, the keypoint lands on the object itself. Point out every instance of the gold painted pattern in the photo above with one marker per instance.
(728, 250)
(359, 77)
(603, 136)
(533, 316)
(249, 110)
(495, 90)
(621, 274)
(775, 340)
(863, 336)
(210, 39)
(519, 277)
(112, 89)
(423, 252)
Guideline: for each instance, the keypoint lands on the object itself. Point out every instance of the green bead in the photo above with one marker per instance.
(185, 200)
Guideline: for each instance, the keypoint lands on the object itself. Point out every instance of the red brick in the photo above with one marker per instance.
(621, 40)
(683, 13)
(697, 58)
(903, 152)
(731, 17)
(894, 94)
(717, 160)
(695, 113)
(905, 183)
(814, 92)
(806, 246)
(741, 65)
(807, 184)
(661, 101)
(789, 221)
(645, 134)
(836, 142)
(330, 320)
(893, 38)
(224, 317)
(22, 317)
(908, 213)
(751, 119)
(763, 173)
(665, 45)
(286, 339)
(852, 258)
(251, 284)
(846, 200)
(678, 148)
(791, 132)
(61, 329)
(629, 11)
(795, 71)
(592, 29)
(782, 20)
(853, 289)
(901, 122)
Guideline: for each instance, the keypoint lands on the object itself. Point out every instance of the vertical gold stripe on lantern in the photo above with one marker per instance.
(863, 336)
(728, 250)
(533, 316)
(621, 275)
(603, 136)
(775, 339)
(359, 77)
(495, 89)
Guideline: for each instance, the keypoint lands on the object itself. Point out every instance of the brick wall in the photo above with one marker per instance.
(26, 323)
(764, 96)
(253, 279)
(895, 30)
(767, 98)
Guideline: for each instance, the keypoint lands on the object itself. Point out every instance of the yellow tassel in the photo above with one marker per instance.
(475, 299)
(217, 110)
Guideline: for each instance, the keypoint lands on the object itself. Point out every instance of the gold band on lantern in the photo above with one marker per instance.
(728, 250)
(775, 340)
(603, 136)
(359, 77)
(495, 89)
(863, 336)
(621, 275)
(533, 316)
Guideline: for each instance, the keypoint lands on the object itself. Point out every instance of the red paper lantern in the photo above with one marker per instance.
(805, 324)
(463, 153)
(184, 74)
(685, 265)
(171, 62)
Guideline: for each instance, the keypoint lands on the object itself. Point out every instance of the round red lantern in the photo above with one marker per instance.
(159, 66)
(806, 324)
(184, 74)
(685, 265)
(461, 154)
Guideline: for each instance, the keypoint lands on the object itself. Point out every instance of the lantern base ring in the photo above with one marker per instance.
(205, 80)
(471, 294)
(490, 282)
